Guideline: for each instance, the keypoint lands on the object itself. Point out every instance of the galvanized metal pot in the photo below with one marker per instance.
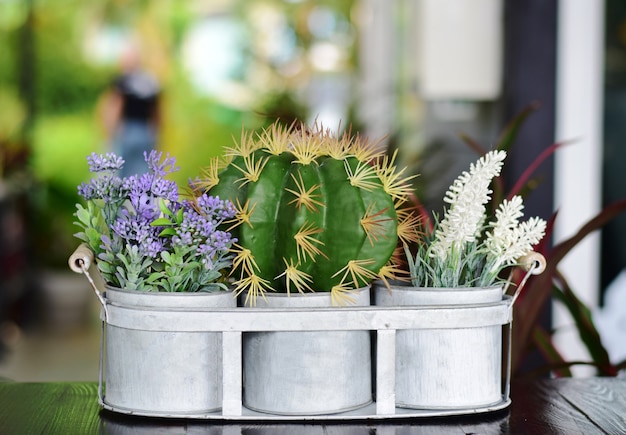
(446, 368)
(168, 373)
(307, 373)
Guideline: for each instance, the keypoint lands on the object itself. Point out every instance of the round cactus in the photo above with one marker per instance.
(316, 212)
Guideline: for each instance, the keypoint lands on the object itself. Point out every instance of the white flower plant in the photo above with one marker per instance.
(464, 249)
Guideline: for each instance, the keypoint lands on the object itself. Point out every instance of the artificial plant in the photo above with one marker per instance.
(466, 248)
(144, 236)
(316, 211)
(528, 332)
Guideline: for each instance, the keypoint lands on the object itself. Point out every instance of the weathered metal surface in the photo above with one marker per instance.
(313, 319)
(164, 371)
(307, 372)
(441, 368)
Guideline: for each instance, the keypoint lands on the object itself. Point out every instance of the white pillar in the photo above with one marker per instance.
(377, 67)
(579, 111)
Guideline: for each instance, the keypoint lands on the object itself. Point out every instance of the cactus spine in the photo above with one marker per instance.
(316, 212)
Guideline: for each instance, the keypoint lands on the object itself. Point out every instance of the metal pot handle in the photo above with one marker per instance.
(534, 264)
(81, 261)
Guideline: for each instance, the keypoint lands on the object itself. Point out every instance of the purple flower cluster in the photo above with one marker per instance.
(104, 162)
(106, 186)
(144, 219)
(131, 204)
(135, 229)
(200, 227)
(133, 223)
(160, 166)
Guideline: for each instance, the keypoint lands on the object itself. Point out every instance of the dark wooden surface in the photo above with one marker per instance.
(558, 406)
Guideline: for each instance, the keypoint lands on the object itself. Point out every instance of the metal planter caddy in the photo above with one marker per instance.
(385, 323)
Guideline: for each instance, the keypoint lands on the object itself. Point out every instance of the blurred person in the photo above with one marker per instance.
(130, 112)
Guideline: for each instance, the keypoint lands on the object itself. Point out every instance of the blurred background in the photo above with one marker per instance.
(417, 74)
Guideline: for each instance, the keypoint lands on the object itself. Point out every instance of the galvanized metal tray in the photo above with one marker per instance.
(233, 323)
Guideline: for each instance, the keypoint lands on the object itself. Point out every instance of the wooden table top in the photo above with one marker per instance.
(551, 406)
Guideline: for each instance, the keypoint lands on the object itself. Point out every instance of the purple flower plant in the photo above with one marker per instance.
(144, 237)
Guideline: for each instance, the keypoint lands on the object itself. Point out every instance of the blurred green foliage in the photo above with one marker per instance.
(65, 82)
(60, 146)
(50, 89)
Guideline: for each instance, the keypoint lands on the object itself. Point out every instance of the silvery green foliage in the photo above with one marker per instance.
(144, 237)
(463, 249)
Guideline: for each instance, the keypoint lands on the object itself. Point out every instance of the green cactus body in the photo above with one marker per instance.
(265, 196)
(308, 223)
(292, 218)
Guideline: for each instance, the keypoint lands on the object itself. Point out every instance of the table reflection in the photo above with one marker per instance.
(118, 424)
